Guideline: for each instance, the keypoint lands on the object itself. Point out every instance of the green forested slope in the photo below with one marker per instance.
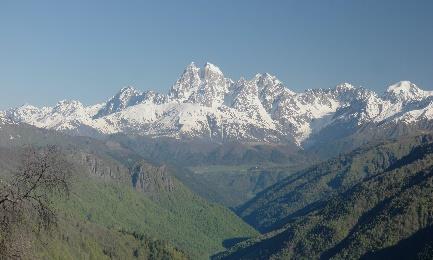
(106, 216)
(181, 218)
(303, 191)
(384, 211)
(78, 238)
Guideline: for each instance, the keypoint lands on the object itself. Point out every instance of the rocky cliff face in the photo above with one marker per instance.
(151, 179)
(96, 166)
(142, 176)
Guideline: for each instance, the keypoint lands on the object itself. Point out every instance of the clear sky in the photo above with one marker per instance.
(87, 50)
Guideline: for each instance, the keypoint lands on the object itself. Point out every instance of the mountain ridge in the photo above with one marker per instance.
(204, 104)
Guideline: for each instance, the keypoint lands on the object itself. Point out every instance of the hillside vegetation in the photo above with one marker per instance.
(305, 190)
(123, 207)
(378, 203)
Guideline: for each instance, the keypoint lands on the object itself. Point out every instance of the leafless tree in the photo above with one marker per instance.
(26, 204)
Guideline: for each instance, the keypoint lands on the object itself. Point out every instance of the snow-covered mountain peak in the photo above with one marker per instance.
(212, 68)
(344, 87)
(211, 72)
(68, 106)
(206, 86)
(4, 120)
(212, 88)
(266, 77)
(402, 86)
(68, 103)
(127, 91)
(189, 70)
(22, 113)
(27, 107)
(187, 84)
(127, 96)
(269, 84)
(191, 66)
(404, 91)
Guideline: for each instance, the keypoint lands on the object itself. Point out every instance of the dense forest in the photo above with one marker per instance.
(372, 203)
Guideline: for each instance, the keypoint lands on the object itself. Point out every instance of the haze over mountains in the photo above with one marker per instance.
(205, 105)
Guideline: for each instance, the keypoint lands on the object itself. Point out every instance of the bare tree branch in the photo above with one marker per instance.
(27, 196)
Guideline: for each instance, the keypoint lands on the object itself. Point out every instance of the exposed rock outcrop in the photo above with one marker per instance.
(151, 179)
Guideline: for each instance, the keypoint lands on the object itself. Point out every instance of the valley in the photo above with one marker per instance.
(153, 200)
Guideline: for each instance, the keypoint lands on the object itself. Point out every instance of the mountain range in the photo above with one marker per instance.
(243, 169)
(205, 105)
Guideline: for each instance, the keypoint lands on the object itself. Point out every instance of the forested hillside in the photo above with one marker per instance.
(367, 203)
(120, 206)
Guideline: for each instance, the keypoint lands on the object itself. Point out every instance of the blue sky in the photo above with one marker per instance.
(87, 50)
